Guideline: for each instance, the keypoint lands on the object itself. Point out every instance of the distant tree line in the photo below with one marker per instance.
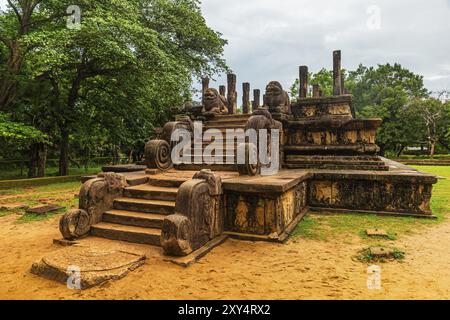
(100, 87)
(411, 114)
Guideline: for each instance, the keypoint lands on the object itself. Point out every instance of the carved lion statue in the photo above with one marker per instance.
(276, 99)
(214, 103)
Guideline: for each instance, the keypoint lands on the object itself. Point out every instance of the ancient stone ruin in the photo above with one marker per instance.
(329, 162)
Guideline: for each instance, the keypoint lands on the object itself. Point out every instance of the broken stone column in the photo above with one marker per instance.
(303, 82)
(223, 90)
(232, 95)
(246, 98)
(316, 91)
(205, 86)
(256, 99)
(337, 76)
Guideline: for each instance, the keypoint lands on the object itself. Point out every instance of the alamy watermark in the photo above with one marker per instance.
(374, 277)
(218, 147)
(374, 17)
(74, 278)
(73, 21)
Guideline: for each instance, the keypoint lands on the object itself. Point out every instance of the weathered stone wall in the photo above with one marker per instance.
(407, 197)
(323, 106)
(264, 214)
(330, 137)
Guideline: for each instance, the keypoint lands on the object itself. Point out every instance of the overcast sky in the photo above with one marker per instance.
(269, 39)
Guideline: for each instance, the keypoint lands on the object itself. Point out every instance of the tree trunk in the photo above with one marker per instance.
(32, 165)
(64, 153)
(41, 160)
(399, 153)
(432, 148)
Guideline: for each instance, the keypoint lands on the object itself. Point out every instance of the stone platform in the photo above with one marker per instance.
(265, 208)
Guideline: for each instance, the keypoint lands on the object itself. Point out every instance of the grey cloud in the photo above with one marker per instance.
(269, 39)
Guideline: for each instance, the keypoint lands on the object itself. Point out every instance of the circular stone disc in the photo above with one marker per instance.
(90, 259)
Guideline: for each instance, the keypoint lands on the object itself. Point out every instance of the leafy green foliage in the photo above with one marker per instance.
(18, 134)
(105, 86)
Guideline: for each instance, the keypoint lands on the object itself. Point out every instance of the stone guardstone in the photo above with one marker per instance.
(85, 267)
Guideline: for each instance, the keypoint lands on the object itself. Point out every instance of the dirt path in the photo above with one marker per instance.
(303, 269)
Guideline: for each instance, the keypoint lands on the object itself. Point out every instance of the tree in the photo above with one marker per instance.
(130, 61)
(434, 114)
(383, 92)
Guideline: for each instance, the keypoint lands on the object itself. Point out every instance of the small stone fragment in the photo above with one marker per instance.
(44, 209)
(82, 268)
(380, 252)
(376, 233)
(64, 242)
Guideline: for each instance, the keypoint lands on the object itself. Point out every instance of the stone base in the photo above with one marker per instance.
(83, 268)
(264, 208)
(195, 256)
(393, 192)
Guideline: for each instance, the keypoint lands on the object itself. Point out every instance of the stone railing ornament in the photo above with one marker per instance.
(96, 197)
(198, 216)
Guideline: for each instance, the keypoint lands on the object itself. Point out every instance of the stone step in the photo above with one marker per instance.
(351, 149)
(337, 167)
(169, 182)
(135, 219)
(224, 158)
(149, 192)
(231, 116)
(333, 158)
(226, 122)
(223, 143)
(213, 167)
(127, 233)
(223, 126)
(147, 206)
(306, 161)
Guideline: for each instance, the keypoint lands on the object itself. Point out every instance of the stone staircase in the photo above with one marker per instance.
(221, 123)
(373, 163)
(138, 216)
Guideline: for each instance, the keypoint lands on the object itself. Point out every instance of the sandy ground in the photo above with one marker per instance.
(300, 269)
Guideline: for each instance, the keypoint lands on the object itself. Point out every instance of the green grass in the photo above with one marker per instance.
(366, 257)
(327, 227)
(13, 174)
(62, 193)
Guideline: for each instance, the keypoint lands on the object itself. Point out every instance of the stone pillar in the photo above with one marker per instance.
(343, 90)
(256, 99)
(232, 103)
(205, 86)
(337, 77)
(246, 98)
(223, 91)
(303, 91)
(316, 91)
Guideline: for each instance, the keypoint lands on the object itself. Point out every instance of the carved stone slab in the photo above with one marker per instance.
(83, 268)
(43, 209)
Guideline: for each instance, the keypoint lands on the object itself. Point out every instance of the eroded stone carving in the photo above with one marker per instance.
(276, 99)
(261, 119)
(75, 224)
(214, 103)
(198, 216)
(96, 197)
(158, 155)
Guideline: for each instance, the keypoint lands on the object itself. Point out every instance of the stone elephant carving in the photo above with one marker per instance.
(96, 197)
(198, 216)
